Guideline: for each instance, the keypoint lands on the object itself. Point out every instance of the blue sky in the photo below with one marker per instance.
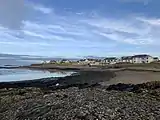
(72, 28)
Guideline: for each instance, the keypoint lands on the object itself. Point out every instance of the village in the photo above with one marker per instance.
(135, 59)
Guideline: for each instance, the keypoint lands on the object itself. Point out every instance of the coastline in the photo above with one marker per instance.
(81, 96)
(86, 76)
(80, 79)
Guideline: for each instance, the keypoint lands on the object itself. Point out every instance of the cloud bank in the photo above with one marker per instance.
(12, 12)
(46, 32)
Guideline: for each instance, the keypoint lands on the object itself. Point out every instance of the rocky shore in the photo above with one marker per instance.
(79, 97)
(93, 103)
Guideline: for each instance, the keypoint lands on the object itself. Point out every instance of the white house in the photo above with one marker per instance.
(110, 60)
(126, 59)
(142, 59)
(53, 61)
(65, 61)
(156, 59)
(89, 61)
(46, 61)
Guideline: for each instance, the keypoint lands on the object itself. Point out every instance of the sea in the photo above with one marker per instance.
(8, 75)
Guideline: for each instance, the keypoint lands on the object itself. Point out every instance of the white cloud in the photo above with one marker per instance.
(66, 34)
(79, 13)
(137, 30)
(145, 2)
(12, 12)
(150, 21)
(43, 9)
(33, 34)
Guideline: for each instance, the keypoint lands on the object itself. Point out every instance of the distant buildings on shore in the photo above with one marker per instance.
(132, 59)
(143, 58)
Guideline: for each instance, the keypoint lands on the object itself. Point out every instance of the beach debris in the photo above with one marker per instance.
(57, 84)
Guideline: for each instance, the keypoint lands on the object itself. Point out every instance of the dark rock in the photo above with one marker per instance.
(121, 87)
(139, 88)
(65, 96)
(91, 103)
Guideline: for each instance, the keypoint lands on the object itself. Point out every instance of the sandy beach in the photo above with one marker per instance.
(133, 77)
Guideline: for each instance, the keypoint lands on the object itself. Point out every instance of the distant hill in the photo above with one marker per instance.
(29, 57)
(18, 60)
(94, 57)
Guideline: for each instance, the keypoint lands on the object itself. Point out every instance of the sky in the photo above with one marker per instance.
(75, 28)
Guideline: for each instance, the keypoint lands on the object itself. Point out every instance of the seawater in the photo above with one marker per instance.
(8, 75)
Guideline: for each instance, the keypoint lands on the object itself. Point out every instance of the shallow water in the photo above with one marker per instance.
(7, 75)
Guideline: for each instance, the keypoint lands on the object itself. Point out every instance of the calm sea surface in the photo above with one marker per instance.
(17, 62)
(7, 75)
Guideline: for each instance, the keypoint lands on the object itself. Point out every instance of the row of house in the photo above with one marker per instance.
(132, 59)
(89, 61)
(125, 59)
(111, 60)
(56, 61)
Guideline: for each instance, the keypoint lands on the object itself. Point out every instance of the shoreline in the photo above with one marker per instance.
(80, 79)
(82, 97)
(88, 76)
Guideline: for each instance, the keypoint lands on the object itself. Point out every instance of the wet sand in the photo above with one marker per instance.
(129, 74)
(133, 77)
